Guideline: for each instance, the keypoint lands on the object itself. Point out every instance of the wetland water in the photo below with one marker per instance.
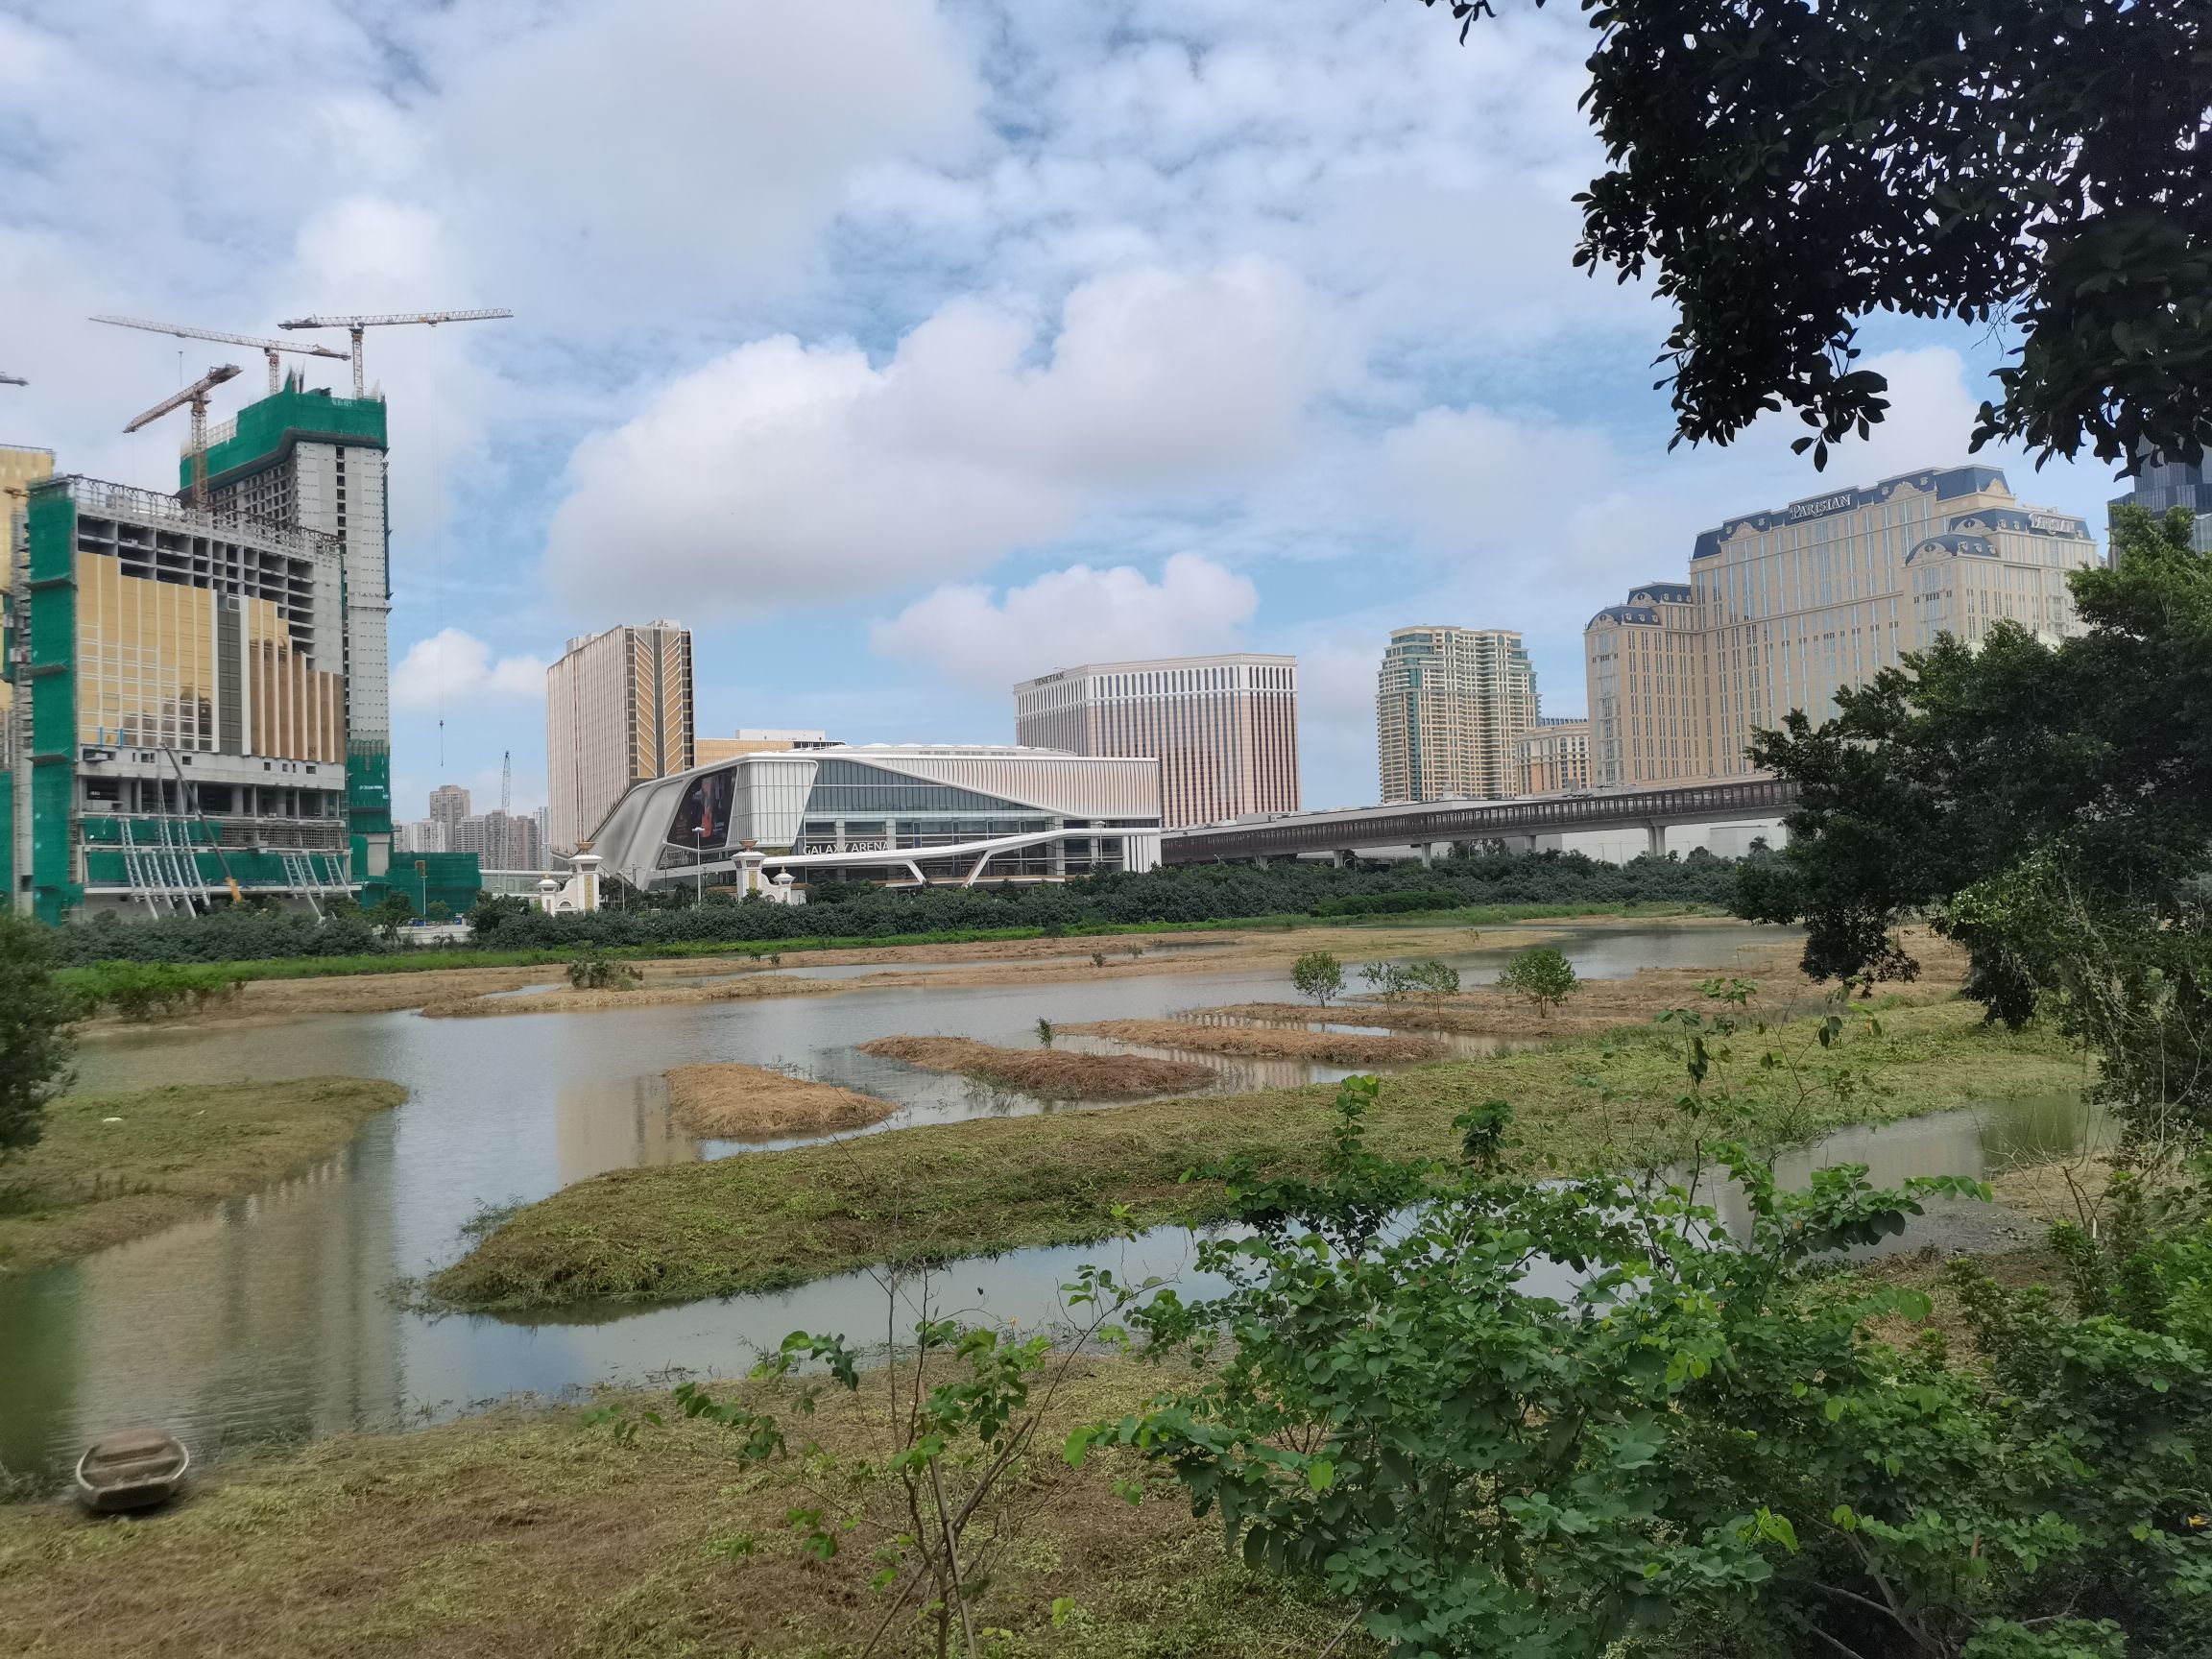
(272, 1317)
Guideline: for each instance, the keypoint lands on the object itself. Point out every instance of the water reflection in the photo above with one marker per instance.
(615, 1124)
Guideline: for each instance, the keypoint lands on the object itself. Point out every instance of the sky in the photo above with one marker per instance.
(904, 350)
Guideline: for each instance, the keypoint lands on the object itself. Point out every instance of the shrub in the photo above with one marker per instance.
(1319, 975)
(1543, 975)
(592, 970)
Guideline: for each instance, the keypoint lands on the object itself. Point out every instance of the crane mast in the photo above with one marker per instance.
(195, 395)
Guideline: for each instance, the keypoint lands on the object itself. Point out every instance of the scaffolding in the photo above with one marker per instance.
(164, 871)
(318, 876)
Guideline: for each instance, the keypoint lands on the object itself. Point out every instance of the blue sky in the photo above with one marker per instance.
(903, 350)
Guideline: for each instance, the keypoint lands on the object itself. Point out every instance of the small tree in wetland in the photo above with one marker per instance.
(1389, 981)
(937, 1507)
(1543, 975)
(1318, 978)
(1044, 1033)
(1435, 980)
(34, 1046)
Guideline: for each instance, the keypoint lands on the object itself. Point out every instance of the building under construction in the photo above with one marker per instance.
(201, 698)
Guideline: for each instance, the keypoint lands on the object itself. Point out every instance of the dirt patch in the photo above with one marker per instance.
(733, 1102)
(1047, 1072)
(1271, 1043)
(113, 1168)
(642, 996)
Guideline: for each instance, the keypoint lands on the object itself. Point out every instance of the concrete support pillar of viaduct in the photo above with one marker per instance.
(1425, 852)
(1655, 840)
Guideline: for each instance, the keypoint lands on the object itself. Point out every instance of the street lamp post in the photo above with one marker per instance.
(699, 866)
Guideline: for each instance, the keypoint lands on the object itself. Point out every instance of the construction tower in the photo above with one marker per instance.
(306, 460)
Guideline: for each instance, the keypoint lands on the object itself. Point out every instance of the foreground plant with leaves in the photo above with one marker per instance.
(1542, 1418)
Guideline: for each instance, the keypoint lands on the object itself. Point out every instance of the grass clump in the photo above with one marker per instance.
(169, 1155)
(939, 1191)
(737, 1102)
(1052, 1073)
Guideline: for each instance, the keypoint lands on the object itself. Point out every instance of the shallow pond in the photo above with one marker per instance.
(272, 1317)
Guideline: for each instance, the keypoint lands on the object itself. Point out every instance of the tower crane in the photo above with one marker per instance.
(196, 394)
(267, 347)
(506, 779)
(353, 325)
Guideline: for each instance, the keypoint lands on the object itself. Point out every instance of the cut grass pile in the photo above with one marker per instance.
(1269, 1043)
(1054, 1074)
(772, 1220)
(525, 1534)
(735, 1102)
(174, 1152)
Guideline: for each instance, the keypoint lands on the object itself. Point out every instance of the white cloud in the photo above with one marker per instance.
(680, 148)
(1070, 616)
(783, 471)
(452, 669)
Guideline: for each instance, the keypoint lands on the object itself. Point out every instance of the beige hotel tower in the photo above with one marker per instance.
(1784, 606)
(617, 711)
(1224, 729)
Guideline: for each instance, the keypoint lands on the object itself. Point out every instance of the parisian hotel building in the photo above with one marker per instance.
(1784, 606)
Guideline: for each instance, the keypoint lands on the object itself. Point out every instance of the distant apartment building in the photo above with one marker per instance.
(761, 740)
(617, 711)
(2160, 488)
(1784, 606)
(1450, 704)
(1223, 728)
(1552, 758)
(449, 805)
(418, 835)
(500, 841)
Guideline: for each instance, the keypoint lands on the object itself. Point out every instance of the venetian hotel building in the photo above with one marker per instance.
(1783, 607)
(1224, 729)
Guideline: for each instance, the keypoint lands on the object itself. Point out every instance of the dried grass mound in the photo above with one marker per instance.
(1047, 1072)
(735, 1102)
(1266, 1043)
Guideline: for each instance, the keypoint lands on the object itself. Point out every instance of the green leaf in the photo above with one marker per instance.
(1321, 1474)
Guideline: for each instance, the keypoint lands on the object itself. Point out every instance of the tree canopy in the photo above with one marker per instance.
(1789, 169)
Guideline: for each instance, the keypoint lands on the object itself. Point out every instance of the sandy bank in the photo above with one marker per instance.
(1045, 1070)
(1288, 1042)
(735, 1102)
(642, 997)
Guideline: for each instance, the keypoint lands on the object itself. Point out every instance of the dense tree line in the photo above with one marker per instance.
(1191, 893)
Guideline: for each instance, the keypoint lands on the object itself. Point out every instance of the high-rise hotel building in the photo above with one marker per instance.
(617, 711)
(1450, 706)
(1784, 606)
(1224, 729)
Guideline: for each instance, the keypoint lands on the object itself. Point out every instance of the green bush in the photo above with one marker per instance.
(1543, 975)
(149, 990)
(1319, 975)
